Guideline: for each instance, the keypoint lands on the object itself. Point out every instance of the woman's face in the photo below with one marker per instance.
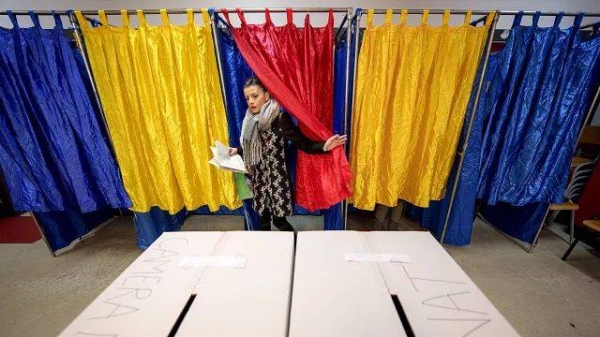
(256, 97)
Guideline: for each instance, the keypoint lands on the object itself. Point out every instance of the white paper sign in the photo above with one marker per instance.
(363, 257)
(214, 261)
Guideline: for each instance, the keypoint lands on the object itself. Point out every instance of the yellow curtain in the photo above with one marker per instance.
(159, 88)
(413, 87)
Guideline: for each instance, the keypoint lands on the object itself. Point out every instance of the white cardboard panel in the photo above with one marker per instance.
(146, 299)
(249, 301)
(436, 294)
(332, 297)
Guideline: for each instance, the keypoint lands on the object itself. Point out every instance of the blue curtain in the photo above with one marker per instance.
(152, 224)
(334, 216)
(535, 94)
(235, 72)
(63, 227)
(53, 150)
(339, 85)
(543, 89)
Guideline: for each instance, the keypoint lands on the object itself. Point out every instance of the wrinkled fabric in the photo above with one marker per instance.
(540, 93)
(460, 221)
(235, 73)
(52, 150)
(159, 87)
(150, 225)
(296, 66)
(521, 222)
(334, 216)
(413, 86)
(61, 228)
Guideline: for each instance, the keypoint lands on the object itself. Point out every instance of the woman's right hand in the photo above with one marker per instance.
(233, 151)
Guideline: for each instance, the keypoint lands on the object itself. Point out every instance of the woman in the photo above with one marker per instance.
(264, 131)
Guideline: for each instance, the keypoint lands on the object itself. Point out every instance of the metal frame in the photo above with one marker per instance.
(352, 105)
(347, 106)
(483, 12)
(431, 11)
(184, 11)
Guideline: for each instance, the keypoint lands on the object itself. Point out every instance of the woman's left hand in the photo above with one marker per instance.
(334, 141)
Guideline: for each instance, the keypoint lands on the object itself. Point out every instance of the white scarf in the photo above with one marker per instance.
(252, 124)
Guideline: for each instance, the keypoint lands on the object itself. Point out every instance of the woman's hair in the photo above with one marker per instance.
(254, 81)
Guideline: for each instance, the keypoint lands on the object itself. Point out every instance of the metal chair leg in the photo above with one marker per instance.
(572, 227)
(551, 218)
(568, 252)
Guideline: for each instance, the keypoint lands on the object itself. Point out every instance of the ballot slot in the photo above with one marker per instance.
(402, 315)
(182, 315)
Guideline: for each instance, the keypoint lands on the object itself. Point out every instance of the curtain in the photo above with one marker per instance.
(62, 228)
(540, 92)
(160, 91)
(235, 72)
(554, 121)
(413, 86)
(296, 66)
(52, 150)
(464, 203)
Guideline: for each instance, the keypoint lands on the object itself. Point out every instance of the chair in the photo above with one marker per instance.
(581, 175)
(589, 225)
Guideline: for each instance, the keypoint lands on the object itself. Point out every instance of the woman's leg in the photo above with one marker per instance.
(282, 224)
(381, 218)
(265, 221)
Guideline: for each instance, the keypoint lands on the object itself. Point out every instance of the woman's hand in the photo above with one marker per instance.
(233, 151)
(334, 141)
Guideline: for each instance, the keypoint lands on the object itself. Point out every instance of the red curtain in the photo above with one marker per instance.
(589, 203)
(296, 66)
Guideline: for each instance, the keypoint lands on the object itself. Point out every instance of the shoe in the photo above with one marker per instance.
(379, 226)
(287, 227)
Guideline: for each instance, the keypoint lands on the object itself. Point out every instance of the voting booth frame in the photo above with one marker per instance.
(351, 27)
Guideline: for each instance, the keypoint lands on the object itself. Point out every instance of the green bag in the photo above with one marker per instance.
(243, 189)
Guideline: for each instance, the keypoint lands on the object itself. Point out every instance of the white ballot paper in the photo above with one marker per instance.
(222, 160)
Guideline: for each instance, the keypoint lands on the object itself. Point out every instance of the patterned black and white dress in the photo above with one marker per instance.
(270, 180)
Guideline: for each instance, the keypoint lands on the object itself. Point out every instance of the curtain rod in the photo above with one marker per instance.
(184, 11)
(479, 12)
(45, 13)
(532, 13)
(431, 11)
(297, 10)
